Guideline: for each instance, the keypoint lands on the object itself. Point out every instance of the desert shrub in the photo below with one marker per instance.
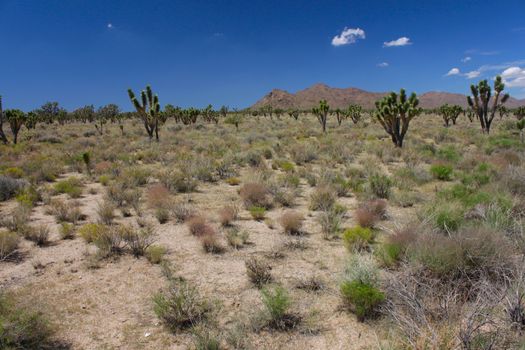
(21, 327)
(14, 172)
(292, 222)
(158, 196)
(66, 230)
(257, 213)
(39, 235)
(64, 212)
(364, 297)
(198, 226)
(255, 194)
(210, 242)
(446, 216)
(380, 185)
(206, 339)
(448, 153)
(514, 180)
(29, 196)
(18, 219)
(277, 304)
(111, 240)
(183, 211)
(365, 217)
(304, 152)
(394, 248)
(181, 307)
(407, 199)
(90, 232)
(155, 253)
(323, 198)
(228, 214)
(442, 172)
(310, 284)
(233, 181)
(162, 215)
(258, 271)
(8, 244)
(237, 238)
(360, 286)
(358, 238)
(104, 180)
(136, 176)
(331, 221)
(106, 212)
(71, 186)
(139, 240)
(180, 180)
(9, 187)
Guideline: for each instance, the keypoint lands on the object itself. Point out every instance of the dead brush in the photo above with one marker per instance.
(310, 284)
(198, 226)
(370, 212)
(228, 214)
(258, 271)
(211, 243)
(292, 222)
(255, 194)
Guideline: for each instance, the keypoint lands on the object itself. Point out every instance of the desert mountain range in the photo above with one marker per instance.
(343, 97)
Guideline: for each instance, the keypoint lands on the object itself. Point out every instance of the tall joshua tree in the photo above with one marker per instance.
(481, 98)
(3, 138)
(16, 119)
(148, 110)
(355, 113)
(450, 113)
(395, 112)
(321, 113)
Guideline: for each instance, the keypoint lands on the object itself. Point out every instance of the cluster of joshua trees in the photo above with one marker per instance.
(393, 112)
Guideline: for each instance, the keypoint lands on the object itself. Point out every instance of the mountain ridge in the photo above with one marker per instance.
(343, 97)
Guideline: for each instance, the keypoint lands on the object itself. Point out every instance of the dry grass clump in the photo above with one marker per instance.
(258, 271)
(292, 222)
(10, 187)
(65, 212)
(106, 212)
(228, 214)
(8, 244)
(210, 241)
(255, 195)
(368, 214)
(198, 226)
(237, 238)
(183, 211)
(39, 235)
(323, 198)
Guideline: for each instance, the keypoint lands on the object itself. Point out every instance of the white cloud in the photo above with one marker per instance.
(383, 64)
(348, 36)
(110, 26)
(514, 77)
(453, 71)
(466, 59)
(473, 74)
(403, 41)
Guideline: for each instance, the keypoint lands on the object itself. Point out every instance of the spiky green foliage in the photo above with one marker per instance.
(84, 114)
(210, 115)
(294, 113)
(450, 113)
(234, 119)
(395, 112)
(355, 113)
(339, 115)
(519, 113)
(149, 110)
(321, 113)
(104, 115)
(480, 101)
(16, 119)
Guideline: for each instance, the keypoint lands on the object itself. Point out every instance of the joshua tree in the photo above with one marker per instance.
(339, 115)
(450, 113)
(278, 112)
(149, 110)
(321, 113)
(480, 100)
(294, 113)
(16, 119)
(519, 112)
(395, 112)
(32, 120)
(210, 115)
(234, 119)
(224, 111)
(355, 112)
(521, 125)
(104, 114)
(3, 138)
(503, 112)
(84, 114)
(49, 112)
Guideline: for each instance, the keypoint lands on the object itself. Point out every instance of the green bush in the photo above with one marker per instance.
(71, 186)
(257, 213)
(277, 303)
(90, 232)
(358, 238)
(380, 185)
(181, 307)
(364, 298)
(23, 328)
(155, 254)
(441, 172)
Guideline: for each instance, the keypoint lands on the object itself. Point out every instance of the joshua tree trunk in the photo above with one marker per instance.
(3, 138)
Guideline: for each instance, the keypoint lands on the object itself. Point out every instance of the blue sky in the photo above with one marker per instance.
(233, 52)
